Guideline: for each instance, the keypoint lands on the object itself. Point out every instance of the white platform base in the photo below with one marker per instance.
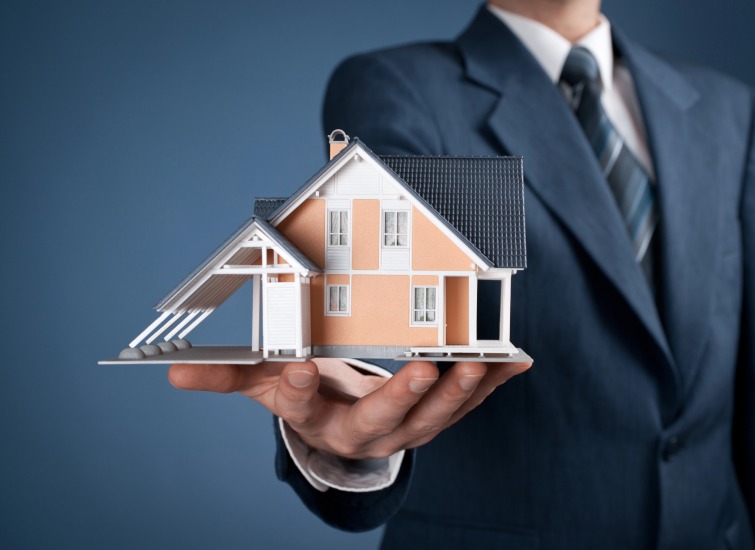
(466, 353)
(243, 355)
(214, 355)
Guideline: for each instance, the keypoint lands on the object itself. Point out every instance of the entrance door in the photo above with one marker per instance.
(457, 311)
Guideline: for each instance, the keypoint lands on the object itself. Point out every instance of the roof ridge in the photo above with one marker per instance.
(460, 157)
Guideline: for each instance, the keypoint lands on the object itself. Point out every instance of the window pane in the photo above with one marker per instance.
(333, 305)
(334, 238)
(403, 223)
(402, 240)
(390, 240)
(345, 223)
(344, 240)
(390, 222)
(343, 297)
(419, 298)
(418, 316)
(431, 298)
(431, 316)
(334, 222)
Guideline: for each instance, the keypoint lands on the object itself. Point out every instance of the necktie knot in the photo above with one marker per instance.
(580, 68)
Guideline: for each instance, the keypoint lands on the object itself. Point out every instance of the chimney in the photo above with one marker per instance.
(338, 141)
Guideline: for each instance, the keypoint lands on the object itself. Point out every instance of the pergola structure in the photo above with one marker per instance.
(280, 274)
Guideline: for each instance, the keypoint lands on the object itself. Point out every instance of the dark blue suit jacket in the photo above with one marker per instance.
(636, 426)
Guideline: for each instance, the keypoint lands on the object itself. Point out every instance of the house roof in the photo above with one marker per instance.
(479, 199)
(296, 256)
(482, 197)
(264, 206)
(287, 246)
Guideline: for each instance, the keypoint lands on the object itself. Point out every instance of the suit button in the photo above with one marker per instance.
(671, 448)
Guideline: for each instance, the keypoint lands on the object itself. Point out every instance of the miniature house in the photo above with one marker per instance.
(373, 256)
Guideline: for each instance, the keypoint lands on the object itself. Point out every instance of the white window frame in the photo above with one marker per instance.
(425, 310)
(339, 212)
(383, 232)
(340, 289)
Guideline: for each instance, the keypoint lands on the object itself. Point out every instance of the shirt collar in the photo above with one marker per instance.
(550, 49)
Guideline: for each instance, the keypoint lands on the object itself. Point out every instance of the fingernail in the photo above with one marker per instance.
(421, 385)
(469, 381)
(300, 378)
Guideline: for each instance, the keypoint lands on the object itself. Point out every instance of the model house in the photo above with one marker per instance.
(373, 256)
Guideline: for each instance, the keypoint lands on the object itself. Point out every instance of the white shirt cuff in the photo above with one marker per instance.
(324, 470)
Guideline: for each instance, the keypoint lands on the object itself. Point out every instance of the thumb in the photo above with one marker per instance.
(296, 399)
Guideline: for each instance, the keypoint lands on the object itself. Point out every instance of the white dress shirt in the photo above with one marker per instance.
(619, 98)
(550, 49)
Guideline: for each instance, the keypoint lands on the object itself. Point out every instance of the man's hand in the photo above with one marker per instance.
(350, 414)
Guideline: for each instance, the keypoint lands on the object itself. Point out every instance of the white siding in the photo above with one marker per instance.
(281, 316)
(358, 178)
(389, 187)
(338, 258)
(392, 204)
(395, 259)
(329, 187)
(339, 204)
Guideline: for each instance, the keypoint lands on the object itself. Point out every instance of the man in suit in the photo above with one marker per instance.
(636, 429)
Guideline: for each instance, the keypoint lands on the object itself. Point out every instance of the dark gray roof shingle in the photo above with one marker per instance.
(482, 197)
(264, 206)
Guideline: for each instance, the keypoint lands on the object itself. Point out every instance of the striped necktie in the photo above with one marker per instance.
(631, 186)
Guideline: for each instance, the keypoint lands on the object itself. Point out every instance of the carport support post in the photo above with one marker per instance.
(298, 320)
(473, 310)
(265, 349)
(256, 308)
(506, 308)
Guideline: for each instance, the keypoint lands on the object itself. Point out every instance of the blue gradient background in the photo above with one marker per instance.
(133, 138)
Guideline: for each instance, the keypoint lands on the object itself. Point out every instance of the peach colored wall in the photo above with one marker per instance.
(270, 258)
(305, 227)
(379, 315)
(286, 278)
(280, 259)
(365, 252)
(425, 280)
(432, 250)
(457, 311)
(338, 279)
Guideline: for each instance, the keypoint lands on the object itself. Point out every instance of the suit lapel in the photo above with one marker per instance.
(686, 176)
(531, 119)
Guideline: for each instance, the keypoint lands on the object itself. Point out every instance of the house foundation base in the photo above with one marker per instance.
(243, 355)
(463, 353)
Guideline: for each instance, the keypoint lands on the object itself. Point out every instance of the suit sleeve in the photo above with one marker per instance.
(372, 99)
(744, 427)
